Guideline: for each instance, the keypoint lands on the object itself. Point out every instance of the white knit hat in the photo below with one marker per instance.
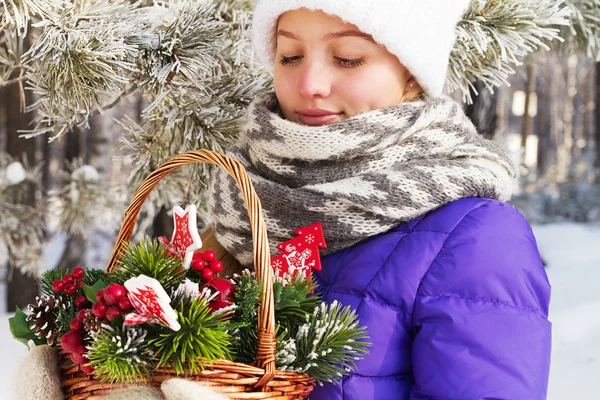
(421, 33)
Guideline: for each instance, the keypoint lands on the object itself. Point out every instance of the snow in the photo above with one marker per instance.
(572, 254)
(15, 173)
(86, 173)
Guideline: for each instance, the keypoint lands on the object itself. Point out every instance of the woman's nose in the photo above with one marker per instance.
(315, 81)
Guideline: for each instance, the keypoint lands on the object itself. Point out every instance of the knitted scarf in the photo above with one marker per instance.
(358, 177)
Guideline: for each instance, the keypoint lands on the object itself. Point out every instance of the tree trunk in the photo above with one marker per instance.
(75, 247)
(543, 119)
(484, 111)
(21, 288)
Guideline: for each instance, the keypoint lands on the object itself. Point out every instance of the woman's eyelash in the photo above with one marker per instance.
(342, 61)
(289, 60)
(349, 63)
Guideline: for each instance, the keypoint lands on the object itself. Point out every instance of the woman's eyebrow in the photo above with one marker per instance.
(329, 36)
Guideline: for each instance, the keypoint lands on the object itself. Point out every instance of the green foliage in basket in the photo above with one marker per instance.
(48, 277)
(201, 339)
(19, 327)
(243, 324)
(150, 258)
(293, 301)
(326, 345)
(321, 340)
(63, 318)
(121, 354)
(93, 276)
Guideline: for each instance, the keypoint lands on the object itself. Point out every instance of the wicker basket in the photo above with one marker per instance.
(236, 380)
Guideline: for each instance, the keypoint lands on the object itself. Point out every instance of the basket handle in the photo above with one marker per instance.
(265, 352)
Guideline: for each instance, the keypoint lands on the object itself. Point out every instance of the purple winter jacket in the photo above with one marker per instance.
(455, 303)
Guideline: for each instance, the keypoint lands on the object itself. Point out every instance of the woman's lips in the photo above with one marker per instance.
(315, 120)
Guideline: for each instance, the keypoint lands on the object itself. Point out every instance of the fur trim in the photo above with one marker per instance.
(37, 376)
(421, 33)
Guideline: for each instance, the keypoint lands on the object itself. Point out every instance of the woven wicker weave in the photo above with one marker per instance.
(236, 380)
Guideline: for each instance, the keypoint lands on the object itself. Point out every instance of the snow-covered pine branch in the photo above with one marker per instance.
(21, 225)
(496, 35)
(584, 30)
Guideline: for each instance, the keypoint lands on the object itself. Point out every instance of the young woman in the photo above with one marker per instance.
(357, 135)
(446, 276)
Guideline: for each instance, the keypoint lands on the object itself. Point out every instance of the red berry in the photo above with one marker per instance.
(113, 312)
(70, 289)
(76, 325)
(68, 278)
(81, 302)
(216, 266)
(78, 273)
(225, 288)
(77, 358)
(85, 367)
(80, 350)
(209, 255)
(207, 274)
(99, 309)
(125, 304)
(100, 295)
(113, 293)
(70, 341)
(81, 314)
(78, 283)
(216, 305)
(197, 264)
(58, 286)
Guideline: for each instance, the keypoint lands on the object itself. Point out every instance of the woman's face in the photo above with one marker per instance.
(327, 70)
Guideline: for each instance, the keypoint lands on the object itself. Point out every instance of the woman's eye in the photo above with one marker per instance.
(344, 62)
(289, 60)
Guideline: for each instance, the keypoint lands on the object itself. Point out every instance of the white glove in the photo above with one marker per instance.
(38, 379)
(172, 389)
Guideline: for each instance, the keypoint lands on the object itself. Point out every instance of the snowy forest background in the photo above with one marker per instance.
(96, 94)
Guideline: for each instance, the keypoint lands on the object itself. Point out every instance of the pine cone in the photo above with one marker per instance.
(44, 315)
(91, 323)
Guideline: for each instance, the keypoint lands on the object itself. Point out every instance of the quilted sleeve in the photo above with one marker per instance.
(481, 313)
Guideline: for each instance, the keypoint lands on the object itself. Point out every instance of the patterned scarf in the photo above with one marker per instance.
(358, 177)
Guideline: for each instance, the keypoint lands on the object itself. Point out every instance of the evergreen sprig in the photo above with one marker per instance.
(64, 317)
(94, 275)
(293, 301)
(201, 339)
(243, 326)
(48, 277)
(20, 12)
(326, 346)
(121, 355)
(83, 53)
(584, 29)
(149, 258)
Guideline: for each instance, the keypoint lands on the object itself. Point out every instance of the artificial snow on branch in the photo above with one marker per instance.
(584, 29)
(496, 35)
(20, 12)
(84, 202)
(21, 225)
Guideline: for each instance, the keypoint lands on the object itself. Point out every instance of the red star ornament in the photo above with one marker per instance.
(151, 301)
(186, 238)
